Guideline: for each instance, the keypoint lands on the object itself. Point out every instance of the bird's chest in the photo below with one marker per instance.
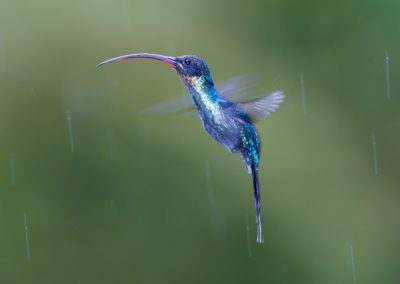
(218, 123)
(212, 113)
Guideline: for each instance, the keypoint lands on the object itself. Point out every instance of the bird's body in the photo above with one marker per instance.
(229, 123)
(222, 119)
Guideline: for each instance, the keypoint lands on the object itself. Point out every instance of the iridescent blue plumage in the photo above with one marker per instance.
(228, 122)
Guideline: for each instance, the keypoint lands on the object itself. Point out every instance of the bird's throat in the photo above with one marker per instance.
(205, 98)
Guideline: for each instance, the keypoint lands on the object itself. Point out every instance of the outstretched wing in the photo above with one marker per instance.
(239, 89)
(262, 107)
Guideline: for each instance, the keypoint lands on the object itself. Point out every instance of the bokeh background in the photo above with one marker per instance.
(92, 191)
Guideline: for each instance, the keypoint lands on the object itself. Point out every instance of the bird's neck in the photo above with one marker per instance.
(198, 84)
(207, 101)
(200, 87)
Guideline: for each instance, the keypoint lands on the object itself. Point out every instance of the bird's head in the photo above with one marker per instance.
(190, 68)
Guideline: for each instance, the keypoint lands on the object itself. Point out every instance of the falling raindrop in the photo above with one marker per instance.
(70, 135)
(2, 52)
(352, 261)
(28, 251)
(374, 155)
(303, 95)
(387, 76)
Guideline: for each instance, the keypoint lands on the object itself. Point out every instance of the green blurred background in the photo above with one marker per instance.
(152, 199)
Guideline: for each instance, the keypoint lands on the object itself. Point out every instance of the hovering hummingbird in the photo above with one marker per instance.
(228, 122)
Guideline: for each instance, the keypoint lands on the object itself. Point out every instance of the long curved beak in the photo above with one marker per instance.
(171, 61)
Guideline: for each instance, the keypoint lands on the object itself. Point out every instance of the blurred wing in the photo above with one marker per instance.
(262, 107)
(238, 89)
(175, 104)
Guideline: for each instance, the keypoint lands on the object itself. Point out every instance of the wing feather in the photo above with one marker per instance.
(262, 107)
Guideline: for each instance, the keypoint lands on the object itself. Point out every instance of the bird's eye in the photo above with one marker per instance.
(188, 61)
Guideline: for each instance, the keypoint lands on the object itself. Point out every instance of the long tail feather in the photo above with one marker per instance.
(257, 203)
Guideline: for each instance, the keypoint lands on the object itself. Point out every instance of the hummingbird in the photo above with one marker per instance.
(230, 123)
